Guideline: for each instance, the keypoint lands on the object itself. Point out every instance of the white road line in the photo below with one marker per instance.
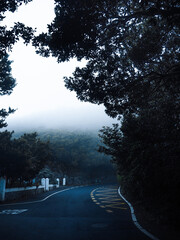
(135, 219)
(38, 201)
(13, 211)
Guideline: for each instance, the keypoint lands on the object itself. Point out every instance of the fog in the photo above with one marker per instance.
(40, 97)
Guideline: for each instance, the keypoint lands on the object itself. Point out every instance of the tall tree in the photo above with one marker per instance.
(7, 83)
(132, 48)
(22, 158)
(7, 39)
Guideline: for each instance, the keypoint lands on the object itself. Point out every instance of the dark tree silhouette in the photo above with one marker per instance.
(7, 39)
(7, 83)
(132, 48)
(22, 158)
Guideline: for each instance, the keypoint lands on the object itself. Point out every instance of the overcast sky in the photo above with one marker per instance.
(40, 97)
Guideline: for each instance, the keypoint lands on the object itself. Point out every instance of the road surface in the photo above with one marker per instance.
(81, 213)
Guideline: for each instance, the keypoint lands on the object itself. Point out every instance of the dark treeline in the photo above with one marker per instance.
(24, 157)
(75, 155)
(21, 159)
(132, 49)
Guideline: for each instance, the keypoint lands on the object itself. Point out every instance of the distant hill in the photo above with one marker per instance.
(75, 154)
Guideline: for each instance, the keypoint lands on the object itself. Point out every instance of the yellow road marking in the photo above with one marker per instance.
(106, 191)
(108, 197)
(111, 206)
(109, 211)
(102, 206)
(113, 202)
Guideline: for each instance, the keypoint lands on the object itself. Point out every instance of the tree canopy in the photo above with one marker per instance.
(8, 37)
(131, 48)
(7, 83)
(75, 154)
(132, 53)
(22, 158)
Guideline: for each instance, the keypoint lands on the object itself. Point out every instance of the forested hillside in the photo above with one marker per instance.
(132, 53)
(75, 155)
(22, 158)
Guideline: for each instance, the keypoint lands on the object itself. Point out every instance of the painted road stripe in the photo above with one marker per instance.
(13, 211)
(109, 211)
(107, 199)
(42, 200)
(113, 202)
(135, 219)
(117, 207)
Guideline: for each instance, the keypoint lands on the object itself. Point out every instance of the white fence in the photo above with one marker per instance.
(45, 186)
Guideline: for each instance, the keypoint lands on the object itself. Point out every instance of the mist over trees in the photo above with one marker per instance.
(53, 153)
(132, 48)
(76, 155)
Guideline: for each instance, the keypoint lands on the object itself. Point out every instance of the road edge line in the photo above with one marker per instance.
(134, 219)
(38, 201)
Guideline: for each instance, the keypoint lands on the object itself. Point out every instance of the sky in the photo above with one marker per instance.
(40, 97)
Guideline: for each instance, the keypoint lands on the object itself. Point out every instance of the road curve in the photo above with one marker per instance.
(82, 213)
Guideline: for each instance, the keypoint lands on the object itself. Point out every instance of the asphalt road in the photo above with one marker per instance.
(81, 213)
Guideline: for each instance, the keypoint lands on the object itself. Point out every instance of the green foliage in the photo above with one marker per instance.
(6, 5)
(46, 172)
(132, 49)
(76, 154)
(7, 83)
(146, 151)
(22, 158)
(7, 39)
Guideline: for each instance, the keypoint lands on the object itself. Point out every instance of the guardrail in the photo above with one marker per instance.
(45, 186)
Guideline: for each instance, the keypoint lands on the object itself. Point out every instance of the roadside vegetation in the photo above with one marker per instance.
(132, 53)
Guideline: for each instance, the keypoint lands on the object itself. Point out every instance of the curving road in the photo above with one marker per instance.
(80, 213)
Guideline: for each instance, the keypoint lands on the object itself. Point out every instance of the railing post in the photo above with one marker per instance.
(64, 181)
(47, 184)
(43, 183)
(2, 188)
(57, 185)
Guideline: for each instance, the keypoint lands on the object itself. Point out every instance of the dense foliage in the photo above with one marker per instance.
(7, 83)
(53, 154)
(22, 158)
(8, 37)
(132, 48)
(76, 155)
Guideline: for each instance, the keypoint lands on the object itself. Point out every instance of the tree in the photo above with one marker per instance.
(7, 83)
(22, 158)
(7, 39)
(131, 48)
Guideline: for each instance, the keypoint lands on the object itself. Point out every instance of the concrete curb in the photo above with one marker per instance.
(134, 219)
